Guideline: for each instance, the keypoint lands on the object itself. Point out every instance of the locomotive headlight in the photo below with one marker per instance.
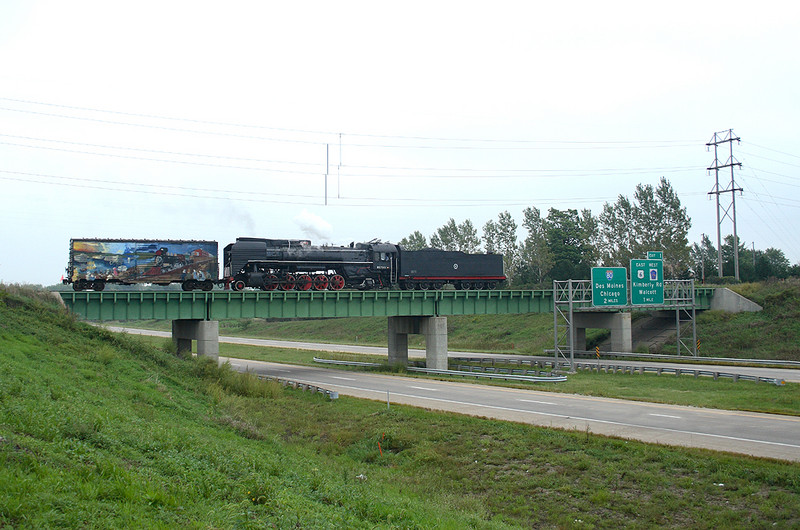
(455, 266)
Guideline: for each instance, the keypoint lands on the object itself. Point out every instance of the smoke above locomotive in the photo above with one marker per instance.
(286, 264)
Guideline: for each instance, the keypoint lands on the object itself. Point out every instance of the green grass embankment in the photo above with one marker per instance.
(773, 333)
(100, 430)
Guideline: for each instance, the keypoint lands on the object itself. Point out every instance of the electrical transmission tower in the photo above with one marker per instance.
(727, 210)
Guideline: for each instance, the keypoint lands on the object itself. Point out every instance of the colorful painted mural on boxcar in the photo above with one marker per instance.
(143, 261)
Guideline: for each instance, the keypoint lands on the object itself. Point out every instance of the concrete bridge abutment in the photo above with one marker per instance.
(435, 331)
(205, 332)
(618, 323)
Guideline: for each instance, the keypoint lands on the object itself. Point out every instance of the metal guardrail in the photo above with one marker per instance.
(659, 370)
(512, 371)
(505, 376)
(332, 394)
(629, 369)
(684, 358)
(539, 363)
(346, 363)
(464, 373)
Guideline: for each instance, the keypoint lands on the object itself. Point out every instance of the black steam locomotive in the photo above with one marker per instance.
(294, 264)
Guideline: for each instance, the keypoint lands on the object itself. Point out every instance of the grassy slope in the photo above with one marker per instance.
(101, 430)
(773, 333)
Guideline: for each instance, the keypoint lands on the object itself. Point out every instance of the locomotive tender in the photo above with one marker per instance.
(277, 264)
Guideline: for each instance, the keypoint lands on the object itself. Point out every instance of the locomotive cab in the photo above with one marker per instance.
(384, 262)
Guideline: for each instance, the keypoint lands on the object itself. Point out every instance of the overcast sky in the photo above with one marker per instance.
(211, 120)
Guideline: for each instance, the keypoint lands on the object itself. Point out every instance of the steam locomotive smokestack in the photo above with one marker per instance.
(314, 226)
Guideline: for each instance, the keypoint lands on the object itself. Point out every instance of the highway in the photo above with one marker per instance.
(764, 435)
(789, 375)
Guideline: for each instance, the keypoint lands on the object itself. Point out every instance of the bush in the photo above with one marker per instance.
(725, 280)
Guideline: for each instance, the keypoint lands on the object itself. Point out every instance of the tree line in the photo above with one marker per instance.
(566, 244)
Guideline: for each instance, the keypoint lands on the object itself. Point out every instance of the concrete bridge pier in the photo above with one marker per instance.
(435, 331)
(205, 332)
(618, 323)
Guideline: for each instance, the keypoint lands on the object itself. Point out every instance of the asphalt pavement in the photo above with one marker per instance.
(764, 435)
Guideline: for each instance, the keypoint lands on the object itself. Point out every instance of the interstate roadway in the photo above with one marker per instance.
(765, 435)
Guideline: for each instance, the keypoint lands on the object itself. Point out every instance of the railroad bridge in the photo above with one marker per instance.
(196, 315)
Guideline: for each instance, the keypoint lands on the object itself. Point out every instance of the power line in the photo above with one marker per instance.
(773, 150)
(142, 185)
(163, 128)
(620, 145)
(178, 153)
(264, 197)
(488, 173)
(791, 177)
(683, 143)
(786, 234)
(186, 162)
(771, 159)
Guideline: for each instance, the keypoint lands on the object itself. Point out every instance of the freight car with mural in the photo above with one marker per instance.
(93, 263)
(282, 264)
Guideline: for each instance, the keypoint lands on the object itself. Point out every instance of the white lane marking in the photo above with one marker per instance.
(578, 418)
(665, 416)
(534, 401)
(342, 378)
(425, 388)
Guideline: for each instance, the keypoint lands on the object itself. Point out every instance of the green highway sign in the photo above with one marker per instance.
(647, 281)
(655, 254)
(609, 286)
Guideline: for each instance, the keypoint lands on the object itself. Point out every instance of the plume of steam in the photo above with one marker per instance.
(314, 226)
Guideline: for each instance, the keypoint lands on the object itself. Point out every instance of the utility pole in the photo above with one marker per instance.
(729, 210)
(327, 169)
(702, 260)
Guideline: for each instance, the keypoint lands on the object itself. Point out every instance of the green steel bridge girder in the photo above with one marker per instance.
(220, 305)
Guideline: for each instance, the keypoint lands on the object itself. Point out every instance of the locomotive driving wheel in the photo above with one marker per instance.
(270, 282)
(320, 282)
(288, 283)
(303, 282)
(336, 283)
